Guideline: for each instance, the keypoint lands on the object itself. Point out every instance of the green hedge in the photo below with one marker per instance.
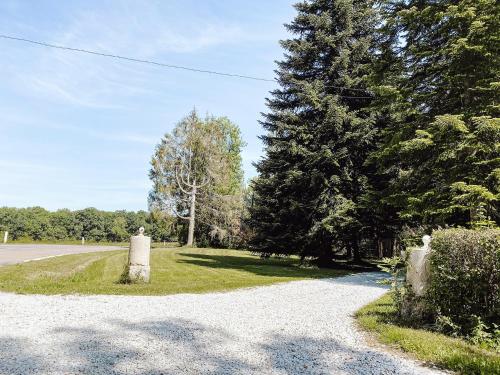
(464, 289)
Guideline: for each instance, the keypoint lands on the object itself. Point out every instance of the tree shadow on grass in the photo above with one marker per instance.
(383, 314)
(261, 267)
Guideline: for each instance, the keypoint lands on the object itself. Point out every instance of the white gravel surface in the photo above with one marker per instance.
(303, 327)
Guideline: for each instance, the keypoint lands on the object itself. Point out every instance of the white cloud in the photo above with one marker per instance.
(10, 165)
(122, 186)
(17, 119)
(207, 36)
(127, 137)
(140, 31)
(51, 88)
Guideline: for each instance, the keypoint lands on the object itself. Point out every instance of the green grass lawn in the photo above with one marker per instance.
(444, 351)
(173, 270)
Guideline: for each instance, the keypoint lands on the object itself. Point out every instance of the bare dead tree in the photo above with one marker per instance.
(190, 187)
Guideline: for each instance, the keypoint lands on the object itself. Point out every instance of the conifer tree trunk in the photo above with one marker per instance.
(355, 251)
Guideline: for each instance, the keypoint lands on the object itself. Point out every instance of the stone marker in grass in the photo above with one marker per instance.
(418, 271)
(138, 257)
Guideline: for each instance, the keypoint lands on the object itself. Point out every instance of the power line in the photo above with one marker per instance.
(170, 65)
(134, 59)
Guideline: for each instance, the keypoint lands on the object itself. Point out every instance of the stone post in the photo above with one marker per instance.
(5, 237)
(418, 271)
(138, 257)
(83, 240)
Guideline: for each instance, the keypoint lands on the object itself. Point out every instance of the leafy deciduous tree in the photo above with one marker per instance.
(197, 168)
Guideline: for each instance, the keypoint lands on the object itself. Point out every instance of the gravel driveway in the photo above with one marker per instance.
(302, 327)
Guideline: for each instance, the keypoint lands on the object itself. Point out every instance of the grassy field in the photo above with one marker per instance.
(445, 352)
(173, 270)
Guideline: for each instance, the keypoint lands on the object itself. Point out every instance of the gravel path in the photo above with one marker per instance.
(18, 253)
(302, 327)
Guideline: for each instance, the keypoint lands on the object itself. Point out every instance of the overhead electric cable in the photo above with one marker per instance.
(81, 50)
(134, 59)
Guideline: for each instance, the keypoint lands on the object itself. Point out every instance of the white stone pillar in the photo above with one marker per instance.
(83, 240)
(418, 272)
(5, 237)
(138, 257)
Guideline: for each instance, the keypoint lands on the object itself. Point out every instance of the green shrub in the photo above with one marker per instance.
(464, 290)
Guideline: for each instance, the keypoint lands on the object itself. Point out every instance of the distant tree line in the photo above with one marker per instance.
(38, 224)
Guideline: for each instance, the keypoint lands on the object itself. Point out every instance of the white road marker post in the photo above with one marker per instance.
(5, 237)
(83, 240)
(418, 271)
(138, 257)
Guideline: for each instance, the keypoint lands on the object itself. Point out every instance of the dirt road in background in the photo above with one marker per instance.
(11, 254)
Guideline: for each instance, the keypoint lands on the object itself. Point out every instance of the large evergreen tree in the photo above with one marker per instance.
(445, 150)
(308, 196)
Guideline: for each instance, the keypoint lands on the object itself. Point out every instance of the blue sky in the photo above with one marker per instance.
(78, 130)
